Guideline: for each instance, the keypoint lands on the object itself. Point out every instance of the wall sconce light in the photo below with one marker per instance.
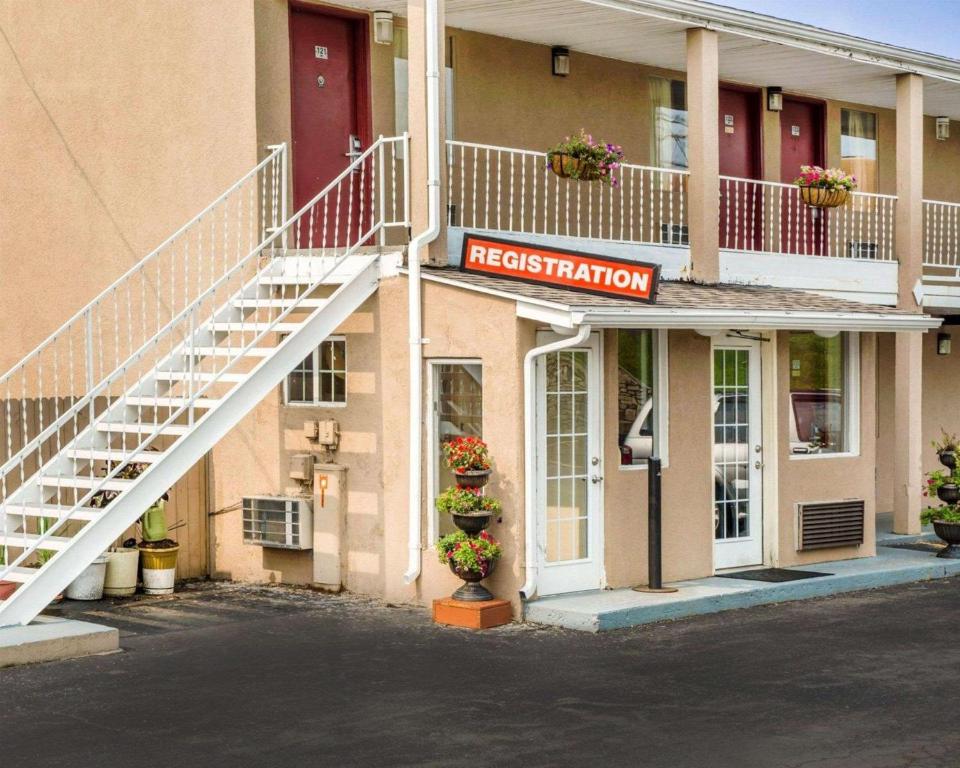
(943, 128)
(561, 61)
(323, 489)
(775, 98)
(943, 343)
(383, 27)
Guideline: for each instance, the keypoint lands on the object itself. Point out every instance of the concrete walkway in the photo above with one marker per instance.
(620, 608)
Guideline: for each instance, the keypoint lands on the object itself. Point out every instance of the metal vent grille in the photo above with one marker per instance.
(825, 524)
(277, 521)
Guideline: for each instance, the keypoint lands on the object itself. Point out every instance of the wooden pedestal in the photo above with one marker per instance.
(479, 615)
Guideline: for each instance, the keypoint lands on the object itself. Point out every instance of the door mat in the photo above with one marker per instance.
(918, 546)
(773, 575)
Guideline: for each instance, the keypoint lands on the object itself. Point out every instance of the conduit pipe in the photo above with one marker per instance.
(531, 560)
(415, 320)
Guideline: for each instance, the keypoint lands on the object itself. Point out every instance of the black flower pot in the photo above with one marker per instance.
(473, 523)
(950, 533)
(472, 478)
(472, 590)
(949, 493)
(948, 459)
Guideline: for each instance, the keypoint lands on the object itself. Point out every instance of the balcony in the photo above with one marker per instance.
(767, 235)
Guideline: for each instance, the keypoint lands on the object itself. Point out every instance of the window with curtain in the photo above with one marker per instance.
(858, 147)
(668, 100)
(821, 384)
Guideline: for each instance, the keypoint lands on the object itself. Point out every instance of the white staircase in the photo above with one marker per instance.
(168, 359)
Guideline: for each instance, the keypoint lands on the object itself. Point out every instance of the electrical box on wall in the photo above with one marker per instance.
(284, 522)
(328, 433)
(301, 467)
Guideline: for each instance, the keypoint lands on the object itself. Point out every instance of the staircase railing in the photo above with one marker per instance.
(178, 299)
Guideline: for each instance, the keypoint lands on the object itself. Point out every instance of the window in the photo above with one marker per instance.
(641, 362)
(824, 385)
(457, 411)
(668, 99)
(321, 379)
(401, 84)
(858, 147)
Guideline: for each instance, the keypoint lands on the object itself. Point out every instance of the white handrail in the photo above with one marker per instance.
(941, 234)
(352, 219)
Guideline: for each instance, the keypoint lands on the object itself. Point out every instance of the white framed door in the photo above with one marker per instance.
(569, 468)
(737, 454)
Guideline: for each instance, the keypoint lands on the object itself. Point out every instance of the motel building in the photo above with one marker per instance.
(293, 250)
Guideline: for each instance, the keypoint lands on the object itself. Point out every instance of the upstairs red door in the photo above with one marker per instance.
(801, 143)
(739, 130)
(328, 70)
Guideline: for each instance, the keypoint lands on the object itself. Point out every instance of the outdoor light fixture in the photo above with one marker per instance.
(323, 490)
(561, 61)
(383, 27)
(943, 128)
(775, 98)
(943, 343)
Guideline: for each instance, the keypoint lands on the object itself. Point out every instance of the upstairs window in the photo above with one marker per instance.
(858, 147)
(668, 100)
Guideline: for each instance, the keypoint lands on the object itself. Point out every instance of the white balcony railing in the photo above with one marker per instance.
(941, 234)
(513, 190)
(770, 217)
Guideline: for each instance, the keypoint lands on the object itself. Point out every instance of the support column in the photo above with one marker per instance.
(908, 372)
(417, 127)
(703, 153)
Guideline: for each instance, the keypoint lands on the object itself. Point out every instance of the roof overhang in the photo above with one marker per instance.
(569, 315)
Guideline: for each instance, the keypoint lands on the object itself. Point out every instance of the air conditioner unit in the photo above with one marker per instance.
(284, 522)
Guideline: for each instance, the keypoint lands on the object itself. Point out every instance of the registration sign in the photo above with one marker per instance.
(573, 270)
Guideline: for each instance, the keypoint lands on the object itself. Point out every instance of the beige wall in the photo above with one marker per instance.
(120, 121)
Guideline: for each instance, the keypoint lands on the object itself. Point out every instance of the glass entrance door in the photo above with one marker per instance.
(569, 469)
(737, 455)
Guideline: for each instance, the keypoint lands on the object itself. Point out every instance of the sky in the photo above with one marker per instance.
(925, 25)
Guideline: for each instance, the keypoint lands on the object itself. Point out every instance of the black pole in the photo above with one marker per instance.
(654, 525)
(654, 531)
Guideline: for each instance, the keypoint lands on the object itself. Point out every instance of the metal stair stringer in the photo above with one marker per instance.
(98, 534)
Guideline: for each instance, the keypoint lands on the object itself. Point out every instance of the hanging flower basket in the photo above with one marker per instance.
(569, 167)
(824, 187)
(580, 157)
(817, 197)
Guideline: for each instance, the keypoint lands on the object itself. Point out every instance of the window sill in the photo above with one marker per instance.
(815, 456)
(314, 405)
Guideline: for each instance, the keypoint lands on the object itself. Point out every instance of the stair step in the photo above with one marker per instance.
(115, 427)
(171, 402)
(106, 454)
(223, 378)
(288, 279)
(25, 540)
(253, 327)
(278, 303)
(73, 481)
(85, 514)
(227, 352)
(20, 574)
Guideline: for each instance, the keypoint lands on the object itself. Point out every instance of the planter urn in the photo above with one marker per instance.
(89, 584)
(948, 459)
(472, 590)
(473, 523)
(950, 533)
(472, 478)
(121, 576)
(949, 493)
(159, 569)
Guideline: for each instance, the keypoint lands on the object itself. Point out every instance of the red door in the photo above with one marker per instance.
(801, 143)
(739, 127)
(328, 53)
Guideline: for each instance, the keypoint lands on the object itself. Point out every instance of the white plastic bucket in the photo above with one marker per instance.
(89, 584)
(121, 576)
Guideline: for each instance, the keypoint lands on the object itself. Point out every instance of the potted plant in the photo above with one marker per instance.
(89, 584)
(470, 509)
(824, 187)
(946, 448)
(471, 558)
(7, 588)
(946, 518)
(120, 579)
(469, 459)
(584, 159)
(158, 553)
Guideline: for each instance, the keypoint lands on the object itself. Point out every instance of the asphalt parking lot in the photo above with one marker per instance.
(224, 675)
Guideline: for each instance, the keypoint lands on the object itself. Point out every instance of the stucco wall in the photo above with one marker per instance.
(826, 478)
(121, 121)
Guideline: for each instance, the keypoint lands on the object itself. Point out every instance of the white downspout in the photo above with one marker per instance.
(531, 559)
(414, 300)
